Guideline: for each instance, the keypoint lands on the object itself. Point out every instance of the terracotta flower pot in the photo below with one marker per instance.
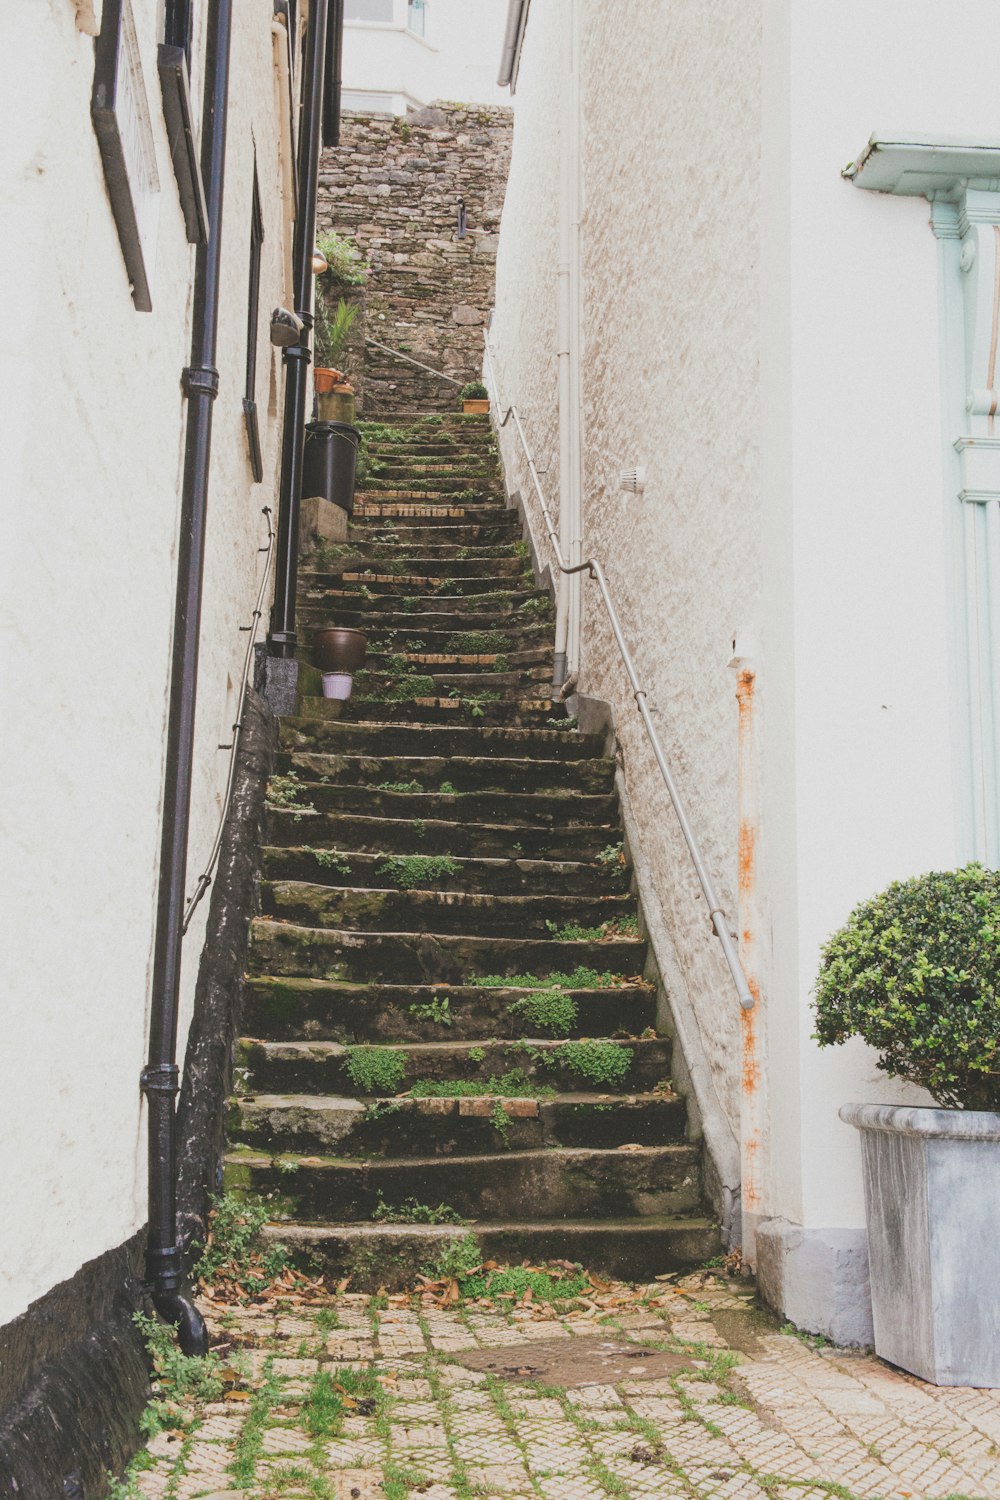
(336, 648)
(325, 379)
(474, 406)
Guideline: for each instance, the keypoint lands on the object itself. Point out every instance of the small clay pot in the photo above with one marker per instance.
(339, 649)
(325, 379)
(475, 406)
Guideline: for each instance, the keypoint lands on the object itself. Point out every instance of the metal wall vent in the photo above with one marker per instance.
(632, 481)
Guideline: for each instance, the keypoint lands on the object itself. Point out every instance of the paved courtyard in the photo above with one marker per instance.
(694, 1394)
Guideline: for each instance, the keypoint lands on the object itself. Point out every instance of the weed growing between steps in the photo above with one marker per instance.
(580, 978)
(547, 1010)
(235, 1251)
(599, 1063)
(437, 1011)
(329, 859)
(376, 1070)
(514, 1084)
(412, 1211)
(411, 870)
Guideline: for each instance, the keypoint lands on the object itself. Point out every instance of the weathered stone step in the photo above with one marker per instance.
(310, 1009)
(395, 556)
(414, 774)
(525, 712)
(345, 738)
(422, 542)
(436, 633)
(390, 565)
(307, 1124)
(500, 662)
(543, 1185)
(415, 418)
(379, 686)
(433, 587)
(281, 948)
(409, 466)
(438, 909)
(439, 487)
(376, 511)
(392, 1255)
(555, 806)
(416, 533)
(378, 835)
(502, 877)
(414, 615)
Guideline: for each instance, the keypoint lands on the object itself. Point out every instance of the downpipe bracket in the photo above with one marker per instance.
(200, 379)
(160, 1078)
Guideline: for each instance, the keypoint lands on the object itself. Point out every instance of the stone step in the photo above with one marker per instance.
(310, 1009)
(383, 464)
(378, 551)
(415, 637)
(391, 1256)
(500, 877)
(352, 738)
(415, 774)
(433, 588)
(414, 655)
(419, 532)
(308, 1124)
(385, 835)
(439, 487)
(287, 948)
(439, 909)
(543, 1185)
(524, 713)
(563, 806)
(376, 510)
(529, 681)
(413, 615)
(431, 567)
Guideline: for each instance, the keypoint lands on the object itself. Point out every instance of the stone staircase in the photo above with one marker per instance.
(446, 1017)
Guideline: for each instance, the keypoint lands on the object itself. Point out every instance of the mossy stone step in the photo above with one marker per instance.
(548, 1184)
(499, 877)
(388, 835)
(318, 1009)
(377, 616)
(393, 1255)
(382, 549)
(466, 773)
(613, 1067)
(526, 712)
(565, 806)
(438, 909)
(434, 587)
(281, 948)
(346, 738)
(500, 662)
(307, 1124)
(431, 567)
(374, 684)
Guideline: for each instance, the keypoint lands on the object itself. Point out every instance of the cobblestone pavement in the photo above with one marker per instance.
(349, 1401)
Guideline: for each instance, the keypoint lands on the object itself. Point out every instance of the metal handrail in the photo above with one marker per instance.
(594, 570)
(205, 878)
(398, 354)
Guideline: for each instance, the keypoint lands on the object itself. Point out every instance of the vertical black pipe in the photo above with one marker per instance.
(282, 638)
(201, 383)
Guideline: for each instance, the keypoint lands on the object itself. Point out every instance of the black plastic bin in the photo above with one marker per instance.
(329, 462)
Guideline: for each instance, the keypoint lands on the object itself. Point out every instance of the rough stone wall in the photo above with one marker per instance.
(669, 382)
(393, 186)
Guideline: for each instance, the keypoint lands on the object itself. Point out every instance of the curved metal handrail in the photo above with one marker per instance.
(398, 354)
(594, 570)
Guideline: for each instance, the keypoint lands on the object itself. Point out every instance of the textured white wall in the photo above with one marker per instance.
(670, 336)
(764, 338)
(91, 470)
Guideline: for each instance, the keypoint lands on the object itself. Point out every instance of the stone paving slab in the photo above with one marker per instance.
(756, 1415)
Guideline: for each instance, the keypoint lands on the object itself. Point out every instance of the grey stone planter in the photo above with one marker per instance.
(932, 1194)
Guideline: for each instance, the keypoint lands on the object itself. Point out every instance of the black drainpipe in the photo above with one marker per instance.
(282, 637)
(201, 383)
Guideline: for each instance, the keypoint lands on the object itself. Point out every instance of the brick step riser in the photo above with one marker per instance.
(629, 1251)
(513, 877)
(285, 1011)
(547, 1185)
(280, 948)
(278, 1127)
(436, 909)
(475, 841)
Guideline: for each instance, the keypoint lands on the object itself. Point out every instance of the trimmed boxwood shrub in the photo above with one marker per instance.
(915, 972)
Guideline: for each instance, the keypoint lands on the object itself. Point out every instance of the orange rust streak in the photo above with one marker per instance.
(747, 856)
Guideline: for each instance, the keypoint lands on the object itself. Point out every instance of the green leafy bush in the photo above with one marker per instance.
(915, 972)
(474, 391)
(344, 259)
(598, 1062)
(236, 1250)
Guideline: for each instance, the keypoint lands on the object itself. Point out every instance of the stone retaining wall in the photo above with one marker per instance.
(393, 186)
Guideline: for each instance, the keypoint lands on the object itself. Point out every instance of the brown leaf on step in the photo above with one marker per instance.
(343, 1285)
(454, 1295)
(236, 1396)
(528, 1294)
(631, 1146)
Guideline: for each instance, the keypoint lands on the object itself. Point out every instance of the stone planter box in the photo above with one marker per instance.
(932, 1195)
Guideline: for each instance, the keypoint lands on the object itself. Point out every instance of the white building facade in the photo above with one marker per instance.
(809, 576)
(100, 213)
(403, 54)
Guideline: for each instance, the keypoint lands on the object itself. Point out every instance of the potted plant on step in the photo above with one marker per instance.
(915, 972)
(338, 652)
(331, 446)
(475, 398)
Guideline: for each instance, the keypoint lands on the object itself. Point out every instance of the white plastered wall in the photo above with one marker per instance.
(764, 339)
(91, 470)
